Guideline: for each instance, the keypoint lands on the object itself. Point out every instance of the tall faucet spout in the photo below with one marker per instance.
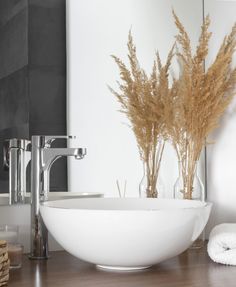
(43, 156)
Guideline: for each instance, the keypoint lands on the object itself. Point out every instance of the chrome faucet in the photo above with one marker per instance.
(16, 158)
(42, 158)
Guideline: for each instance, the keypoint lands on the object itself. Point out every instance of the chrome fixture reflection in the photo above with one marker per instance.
(43, 157)
(16, 158)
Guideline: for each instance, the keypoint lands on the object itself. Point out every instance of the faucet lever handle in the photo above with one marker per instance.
(50, 139)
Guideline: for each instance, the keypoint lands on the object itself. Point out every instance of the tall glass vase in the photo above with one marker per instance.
(189, 186)
(151, 185)
(151, 189)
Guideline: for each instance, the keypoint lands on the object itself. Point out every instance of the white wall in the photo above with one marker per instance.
(96, 29)
(222, 154)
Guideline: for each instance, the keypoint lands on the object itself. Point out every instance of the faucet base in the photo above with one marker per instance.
(32, 257)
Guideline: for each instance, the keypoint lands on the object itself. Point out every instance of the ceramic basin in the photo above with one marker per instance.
(125, 234)
(4, 197)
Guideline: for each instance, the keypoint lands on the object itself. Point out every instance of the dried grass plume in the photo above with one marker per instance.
(137, 91)
(198, 98)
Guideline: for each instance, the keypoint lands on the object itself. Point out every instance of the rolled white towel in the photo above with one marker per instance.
(222, 244)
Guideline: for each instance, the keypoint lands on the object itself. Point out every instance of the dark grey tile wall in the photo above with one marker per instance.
(47, 103)
(13, 36)
(47, 33)
(47, 73)
(33, 75)
(14, 98)
(11, 8)
(14, 107)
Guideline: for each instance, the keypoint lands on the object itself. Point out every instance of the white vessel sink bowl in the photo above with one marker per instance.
(125, 234)
(19, 214)
(4, 197)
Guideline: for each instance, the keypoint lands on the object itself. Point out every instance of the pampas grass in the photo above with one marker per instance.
(198, 98)
(186, 112)
(137, 92)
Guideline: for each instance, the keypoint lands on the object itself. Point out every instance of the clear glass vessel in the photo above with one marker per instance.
(157, 189)
(10, 233)
(15, 253)
(190, 186)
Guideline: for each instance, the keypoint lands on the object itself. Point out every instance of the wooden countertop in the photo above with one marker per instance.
(193, 268)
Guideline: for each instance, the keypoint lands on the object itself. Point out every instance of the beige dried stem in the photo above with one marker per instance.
(198, 98)
(137, 91)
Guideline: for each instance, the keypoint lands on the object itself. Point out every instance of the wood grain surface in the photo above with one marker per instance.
(193, 268)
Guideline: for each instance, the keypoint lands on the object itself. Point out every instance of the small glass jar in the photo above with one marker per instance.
(15, 253)
(10, 233)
